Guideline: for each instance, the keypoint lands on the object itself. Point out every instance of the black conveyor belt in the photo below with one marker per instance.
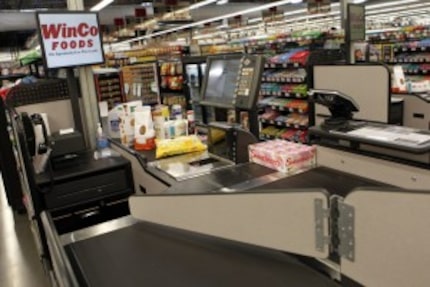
(145, 254)
(334, 181)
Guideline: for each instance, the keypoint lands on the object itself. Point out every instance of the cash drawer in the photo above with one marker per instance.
(83, 189)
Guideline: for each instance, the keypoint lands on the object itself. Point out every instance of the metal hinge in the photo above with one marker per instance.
(340, 219)
(345, 227)
(322, 216)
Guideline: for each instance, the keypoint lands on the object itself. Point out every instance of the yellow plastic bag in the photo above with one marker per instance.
(180, 145)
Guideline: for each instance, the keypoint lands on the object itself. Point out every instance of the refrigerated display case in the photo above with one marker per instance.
(195, 68)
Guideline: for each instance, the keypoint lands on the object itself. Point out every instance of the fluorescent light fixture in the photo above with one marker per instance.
(296, 1)
(214, 19)
(101, 5)
(255, 20)
(359, 1)
(201, 4)
(221, 2)
(393, 9)
(392, 3)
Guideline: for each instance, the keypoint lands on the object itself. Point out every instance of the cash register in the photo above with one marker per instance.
(232, 83)
(341, 129)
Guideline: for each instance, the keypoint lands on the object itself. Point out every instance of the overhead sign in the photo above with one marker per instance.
(319, 6)
(70, 39)
(356, 23)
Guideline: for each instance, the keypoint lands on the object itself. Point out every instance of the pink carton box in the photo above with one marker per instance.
(283, 156)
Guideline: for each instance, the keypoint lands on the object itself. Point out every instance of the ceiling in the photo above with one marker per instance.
(17, 17)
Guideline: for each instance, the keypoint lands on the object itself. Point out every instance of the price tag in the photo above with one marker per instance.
(423, 49)
(272, 122)
(273, 65)
(413, 49)
(296, 65)
(404, 49)
(281, 108)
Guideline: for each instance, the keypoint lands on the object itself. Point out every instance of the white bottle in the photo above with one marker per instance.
(181, 126)
(169, 129)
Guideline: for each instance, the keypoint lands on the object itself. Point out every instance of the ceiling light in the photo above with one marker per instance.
(388, 4)
(296, 1)
(408, 7)
(214, 19)
(221, 2)
(101, 5)
(359, 1)
(255, 20)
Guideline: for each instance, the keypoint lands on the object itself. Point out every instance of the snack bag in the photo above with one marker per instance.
(180, 145)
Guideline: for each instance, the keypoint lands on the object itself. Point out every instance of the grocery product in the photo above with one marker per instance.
(283, 156)
(180, 145)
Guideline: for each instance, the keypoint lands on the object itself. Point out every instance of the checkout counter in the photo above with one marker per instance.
(355, 220)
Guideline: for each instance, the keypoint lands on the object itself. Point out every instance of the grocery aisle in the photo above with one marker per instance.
(19, 263)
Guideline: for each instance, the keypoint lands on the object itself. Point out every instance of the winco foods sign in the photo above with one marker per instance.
(70, 39)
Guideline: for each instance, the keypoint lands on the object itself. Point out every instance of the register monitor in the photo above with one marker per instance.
(232, 81)
(220, 81)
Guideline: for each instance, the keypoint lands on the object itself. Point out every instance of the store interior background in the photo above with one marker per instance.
(132, 38)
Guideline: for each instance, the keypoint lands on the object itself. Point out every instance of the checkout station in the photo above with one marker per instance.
(360, 217)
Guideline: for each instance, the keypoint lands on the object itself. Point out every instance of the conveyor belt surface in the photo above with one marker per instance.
(334, 181)
(145, 254)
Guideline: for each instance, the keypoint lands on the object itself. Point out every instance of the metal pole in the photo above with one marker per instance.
(89, 103)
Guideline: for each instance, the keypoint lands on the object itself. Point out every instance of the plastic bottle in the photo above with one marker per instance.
(191, 122)
(101, 139)
(181, 126)
(169, 129)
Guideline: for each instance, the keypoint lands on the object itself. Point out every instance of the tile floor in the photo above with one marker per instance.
(19, 261)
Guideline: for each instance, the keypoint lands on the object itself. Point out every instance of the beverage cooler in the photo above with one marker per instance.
(195, 68)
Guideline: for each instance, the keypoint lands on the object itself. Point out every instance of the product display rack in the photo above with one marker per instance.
(408, 47)
(140, 83)
(171, 81)
(109, 87)
(283, 95)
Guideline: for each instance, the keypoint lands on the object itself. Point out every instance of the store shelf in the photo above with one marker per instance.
(282, 80)
(411, 49)
(284, 95)
(417, 72)
(284, 40)
(287, 109)
(283, 124)
(408, 61)
(283, 65)
(270, 137)
(138, 81)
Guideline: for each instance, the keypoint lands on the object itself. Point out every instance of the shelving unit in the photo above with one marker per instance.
(171, 81)
(408, 47)
(140, 83)
(109, 87)
(283, 93)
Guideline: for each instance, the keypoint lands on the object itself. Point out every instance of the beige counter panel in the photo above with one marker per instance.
(278, 220)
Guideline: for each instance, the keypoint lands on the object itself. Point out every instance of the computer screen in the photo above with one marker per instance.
(220, 80)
